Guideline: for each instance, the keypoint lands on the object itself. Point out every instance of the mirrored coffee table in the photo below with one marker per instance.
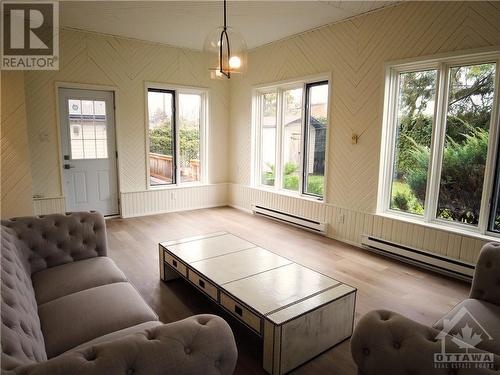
(299, 313)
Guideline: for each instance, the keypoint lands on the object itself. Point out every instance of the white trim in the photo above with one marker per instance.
(442, 64)
(91, 87)
(204, 94)
(257, 103)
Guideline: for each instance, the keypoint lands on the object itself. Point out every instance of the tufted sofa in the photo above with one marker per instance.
(67, 309)
(390, 344)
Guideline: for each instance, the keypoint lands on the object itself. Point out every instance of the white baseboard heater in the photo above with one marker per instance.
(421, 258)
(300, 222)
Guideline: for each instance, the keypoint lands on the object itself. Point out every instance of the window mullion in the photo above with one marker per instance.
(176, 139)
(258, 130)
(279, 141)
(302, 169)
(438, 140)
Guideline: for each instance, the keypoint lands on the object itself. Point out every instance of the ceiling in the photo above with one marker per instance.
(187, 23)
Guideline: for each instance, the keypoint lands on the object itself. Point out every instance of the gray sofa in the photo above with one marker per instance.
(390, 344)
(67, 309)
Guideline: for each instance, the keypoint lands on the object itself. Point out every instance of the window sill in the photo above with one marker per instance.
(290, 194)
(176, 186)
(441, 226)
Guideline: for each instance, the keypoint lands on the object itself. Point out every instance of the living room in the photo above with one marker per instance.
(250, 187)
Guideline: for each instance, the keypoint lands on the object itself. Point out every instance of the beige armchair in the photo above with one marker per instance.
(387, 343)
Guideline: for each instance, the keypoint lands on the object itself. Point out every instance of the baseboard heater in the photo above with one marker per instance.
(434, 262)
(300, 222)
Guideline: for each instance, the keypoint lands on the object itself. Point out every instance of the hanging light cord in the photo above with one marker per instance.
(223, 35)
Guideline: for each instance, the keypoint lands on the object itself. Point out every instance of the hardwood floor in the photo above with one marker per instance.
(382, 283)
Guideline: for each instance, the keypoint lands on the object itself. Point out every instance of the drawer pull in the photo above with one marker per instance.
(238, 310)
(201, 283)
(174, 262)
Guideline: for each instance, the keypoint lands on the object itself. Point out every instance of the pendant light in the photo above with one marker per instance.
(227, 51)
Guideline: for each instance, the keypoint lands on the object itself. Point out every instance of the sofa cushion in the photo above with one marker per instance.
(56, 239)
(486, 314)
(69, 278)
(22, 339)
(143, 327)
(82, 316)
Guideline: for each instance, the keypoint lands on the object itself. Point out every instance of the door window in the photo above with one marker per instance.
(87, 122)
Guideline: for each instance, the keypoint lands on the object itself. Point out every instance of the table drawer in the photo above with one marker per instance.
(203, 284)
(240, 311)
(174, 263)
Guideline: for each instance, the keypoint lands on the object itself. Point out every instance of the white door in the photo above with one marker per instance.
(88, 150)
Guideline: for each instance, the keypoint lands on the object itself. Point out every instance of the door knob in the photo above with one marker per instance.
(67, 166)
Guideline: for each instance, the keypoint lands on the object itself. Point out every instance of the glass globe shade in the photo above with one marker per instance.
(236, 63)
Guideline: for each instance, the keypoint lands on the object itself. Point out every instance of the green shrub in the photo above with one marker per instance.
(290, 168)
(315, 184)
(403, 199)
(291, 182)
(160, 141)
(462, 176)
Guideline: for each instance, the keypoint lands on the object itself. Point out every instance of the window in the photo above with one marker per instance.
(439, 138)
(87, 119)
(176, 123)
(291, 125)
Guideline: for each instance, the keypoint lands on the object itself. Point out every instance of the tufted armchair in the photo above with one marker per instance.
(390, 344)
(67, 309)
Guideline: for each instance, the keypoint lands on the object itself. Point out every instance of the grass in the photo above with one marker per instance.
(403, 199)
(291, 182)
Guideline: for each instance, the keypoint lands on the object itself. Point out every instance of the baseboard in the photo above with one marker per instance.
(246, 210)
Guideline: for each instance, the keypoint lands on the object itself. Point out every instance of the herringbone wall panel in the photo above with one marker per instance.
(126, 65)
(15, 165)
(355, 52)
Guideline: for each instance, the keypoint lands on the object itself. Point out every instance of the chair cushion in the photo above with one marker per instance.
(82, 316)
(119, 334)
(482, 317)
(486, 282)
(69, 278)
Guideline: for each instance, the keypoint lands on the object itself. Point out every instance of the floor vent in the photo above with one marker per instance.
(438, 263)
(308, 224)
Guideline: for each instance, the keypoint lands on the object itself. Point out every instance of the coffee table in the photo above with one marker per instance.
(299, 313)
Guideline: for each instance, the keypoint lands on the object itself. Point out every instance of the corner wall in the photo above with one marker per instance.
(354, 52)
(16, 183)
(89, 58)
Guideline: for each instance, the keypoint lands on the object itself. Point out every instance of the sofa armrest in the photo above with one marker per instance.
(50, 240)
(485, 285)
(201, 344)
(387, 343)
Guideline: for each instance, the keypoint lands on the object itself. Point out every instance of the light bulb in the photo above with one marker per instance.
(234, 62)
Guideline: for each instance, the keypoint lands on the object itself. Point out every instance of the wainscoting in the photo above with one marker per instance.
(45, 206)
(342, 224)
(348, 225)
(151, 202)
(158, 201)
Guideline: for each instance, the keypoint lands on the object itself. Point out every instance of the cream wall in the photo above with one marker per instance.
(354, 52)
(88, 58)
(16, 183)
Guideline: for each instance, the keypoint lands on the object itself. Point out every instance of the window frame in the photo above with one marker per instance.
(177, 90)
(305, 138)
(442, 65)
(257, 111)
